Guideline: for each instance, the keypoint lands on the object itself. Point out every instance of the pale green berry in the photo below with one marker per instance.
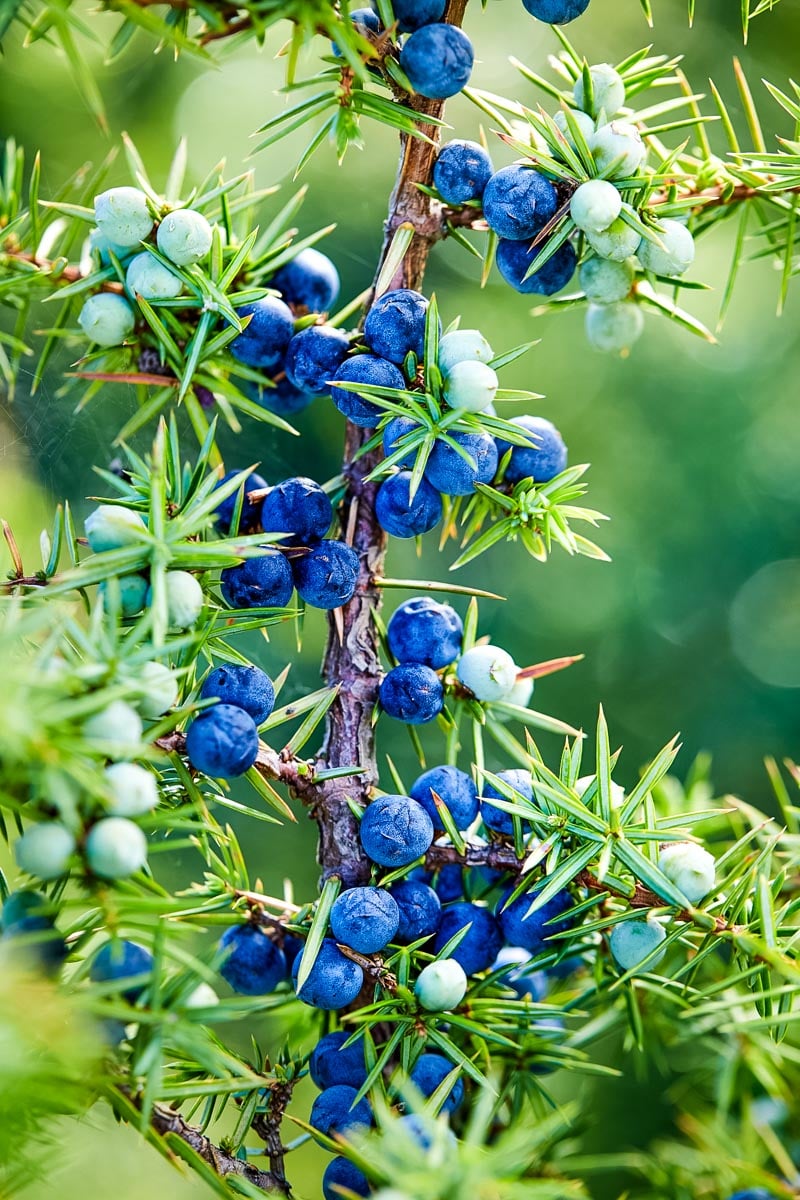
(520, 695)
(618, 149)
(441, 985)
(149, 278)
(470, 386)
(111, 526)
(619, 242)
(489, 672)
(463, 345)
(595, 205)
(633, 941)
(133, 789)
(159, 690)
(106, 319)
(690, 867)
(122, 215)
(617, 791)
(132, 590)
(117, 725)
(100, 245)
(581, 119)
(184, 237)
(115, 848)
(613, 328)
(605, 281)
(184, 599)
(203, 996)
(44, 850)
(676, 253)
(608, 91)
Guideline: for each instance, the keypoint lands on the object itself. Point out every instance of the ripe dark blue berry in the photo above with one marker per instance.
(428, 1072)
(120, 960)
(393, 431)
(284, 399)
(242, 685)
(365, 919)
(334, 1111)
(28, 919)
(556, 12)
(480, 945)
(249, 515)
(332, 1062)
(438, 60)
(309, 281)
(452, 786)
(371, 370)
(326, 577)
(314, 356)
(531, 931)
(395, 325)
(424, 631)
(254, 965)
(395, 831)
(401, 516)
(420, 910)
(341, 1173)
(222, 741)
(412, 693)
(334, 980)
(498, 819)
(413, 14)
(518, 202)
(450, 473)
(543, 460)
(265, 340)
(450, 883)
(514, 258)
(462, 171)
(299, 507)
(263, 582)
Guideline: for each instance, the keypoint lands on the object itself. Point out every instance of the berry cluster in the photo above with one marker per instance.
(222, 741)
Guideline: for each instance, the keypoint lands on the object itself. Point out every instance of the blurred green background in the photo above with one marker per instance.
(695, 625)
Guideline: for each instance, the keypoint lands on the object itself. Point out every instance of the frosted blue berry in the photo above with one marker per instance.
(401, 516)
(284, 399)
(518, 202)
(634, 941)
(690, 867)
(470, 386)
(264, 341)
(394, 430)
(543, 460)
(184, 237)
(222, 741)
(480, 945)
(133, 790)
(107, 319)
(314, 356)
(452, 786)
(497, 819)
(333, 982)
(608, 91)
(412, 693)
(676, 253)
(604, 281)
(341, 1173)
(263, 582)
(149, 278)
(118, 726)
(253, 965)
(28, 923)
(365, 17)
(463, 345)
(488, 672)
(184, 599)
(115, 848)
(614, 328)
(423, 631)
(448, 471)
(365, 919)
(310, 280)
(441, 986)
(450, 883)
(420, 910)
(515, 258)
(120, 960)
(429, 1071)
(395, 831)
(335, 1111)
(462, 171)
(45, 849)
(753, 1194)
(122, 215)
(531, 929)
(132, 593)
(364, 369)
(521, 979)
(332, 1062)
(298, 507)
(395, 325)
(248, 519)
(413, 14)
(242, 685)
(110, 527)
(556, 12)
(438, 61)
(327, 576)
(595, 205)
(618, 149)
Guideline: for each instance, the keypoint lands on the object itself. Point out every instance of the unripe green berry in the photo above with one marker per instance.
(520, 695)
(133, 789)
(115, 848)
(160, 690)
(103, 248)
(111, 526)
(617, 791)
(613, 328)
(674, 256)
(184, 599)
(116, 726)
(470, 386)
(441, 986)
(619, 242)
(149, 278)
(605, 281)
(203, 996)
(595, 205)
(608, 91)
(618, 148)
(106, 319)
(489, 672)
(184, 237)
(633, 941)
(690, 867)
(581, 119)
(463, 345)
(132, 593)
(122, 215)
(44, 850)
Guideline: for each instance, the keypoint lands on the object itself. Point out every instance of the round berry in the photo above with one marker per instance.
(635, 940)
(437, 60)
(341, 1176)
(675, 254)
(110, 527)
(45, 849)
(595, 205)
(441, 986)
(224, 511)
(222, 741)
(314, 356)
(132, 590)
(332, 1062)
(429, 1071)
(253, 965)
(116, 726)
(327, 576)
(396, 429)
(121, 960)
(310, 280)
(115, 848)
(618, 150)
(242, 685)
(420, 910)
(123, 216)
(521, 927)
(556, 12)
(133, 790)
(521, 979)
(413, 14)
(412, 693)
(149, 278)
(690, 867)
(184, 599)
(463, 345)
(470, 386)
(497, 819)
(283, 399)
(608, 91)
(365, 919)
(614, 328)
(395, 325)
(263, 582)
(541, 461)
(423, 631)
(264, 341)
(480, 945)
(448, 471)
(616, 243)
(515, 258)
(518, 202)
(335, 1111)
(159, 690)
(184, 237)
(106, 319)
(401, 516)
(299, 507)
(488, 672)
(583, 121)
(374, 372)
(605, 281)
(452, 786)
(333, 982)
(462, 171)
(395, 831)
